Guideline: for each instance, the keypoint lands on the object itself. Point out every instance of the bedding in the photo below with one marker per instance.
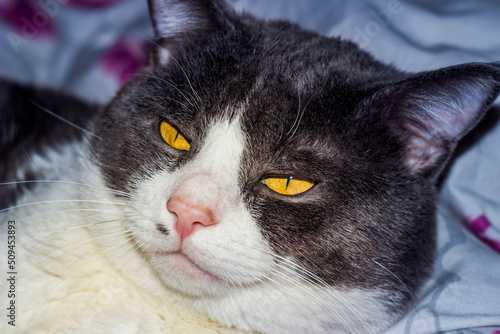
(89, 48)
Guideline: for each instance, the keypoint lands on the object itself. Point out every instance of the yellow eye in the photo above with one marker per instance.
(173, 137)
(288, 185)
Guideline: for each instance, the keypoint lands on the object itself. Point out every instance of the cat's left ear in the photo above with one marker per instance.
(179, 24)
(431, 111)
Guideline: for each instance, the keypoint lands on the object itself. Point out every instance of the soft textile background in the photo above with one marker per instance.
(91, 47)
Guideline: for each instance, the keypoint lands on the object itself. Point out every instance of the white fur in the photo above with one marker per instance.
(68, 283)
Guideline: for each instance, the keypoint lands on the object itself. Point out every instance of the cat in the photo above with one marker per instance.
(262, 175)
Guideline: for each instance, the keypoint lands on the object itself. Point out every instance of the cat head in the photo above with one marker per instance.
(280, 179)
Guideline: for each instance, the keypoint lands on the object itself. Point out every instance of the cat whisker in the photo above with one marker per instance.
(171, 85)
(128, 235)
(81, 244)
(56, 212)
(61, 201)
(296, 121)
(296, 124)
(282, 131)
(182, 69)
(56, 285)
(100, 273)
(65, 120)
(66, 182)
(314, 279)
(168, 99)
(329, 298)
(135, 245)
(399, 280)
(61, 274)
(289, 267)
(291, 294)
(197, 97)
(309, 291)
(66, 228)
(268, 281)
(139, 213)
(132, 246)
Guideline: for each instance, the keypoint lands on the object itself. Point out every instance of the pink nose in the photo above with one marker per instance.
(189, 217)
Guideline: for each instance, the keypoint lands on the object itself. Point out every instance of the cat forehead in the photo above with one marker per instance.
(270, 98)
(261, 56)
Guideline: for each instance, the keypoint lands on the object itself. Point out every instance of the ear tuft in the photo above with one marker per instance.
(177, 23)
(432, 111)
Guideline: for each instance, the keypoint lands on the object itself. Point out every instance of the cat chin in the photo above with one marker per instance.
(182, 274)
(183, 264)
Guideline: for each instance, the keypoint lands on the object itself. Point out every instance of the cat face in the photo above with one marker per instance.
(269, 165)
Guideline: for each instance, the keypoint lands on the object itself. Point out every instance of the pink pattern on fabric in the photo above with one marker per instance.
(92, 4)
(496, 332)
(29, 18)
(125, 58)
(483, 229)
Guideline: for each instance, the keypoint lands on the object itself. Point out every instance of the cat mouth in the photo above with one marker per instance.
(183, 264)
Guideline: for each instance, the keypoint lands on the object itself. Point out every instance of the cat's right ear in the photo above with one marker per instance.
(180, 24)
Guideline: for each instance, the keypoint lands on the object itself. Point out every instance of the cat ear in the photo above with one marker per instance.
(433, 110)
(178, 23)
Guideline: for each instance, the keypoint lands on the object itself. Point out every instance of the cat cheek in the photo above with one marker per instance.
(149, 219)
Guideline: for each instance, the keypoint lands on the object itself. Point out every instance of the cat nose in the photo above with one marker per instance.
(190, 217)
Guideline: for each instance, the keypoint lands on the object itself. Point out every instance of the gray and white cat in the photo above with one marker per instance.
(270, 178)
